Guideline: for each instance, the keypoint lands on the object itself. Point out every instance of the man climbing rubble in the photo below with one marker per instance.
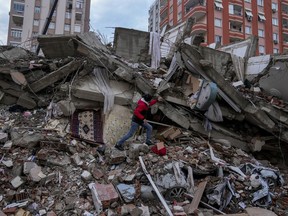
(139, 119)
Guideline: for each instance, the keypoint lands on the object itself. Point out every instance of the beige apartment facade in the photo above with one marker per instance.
(28, 18)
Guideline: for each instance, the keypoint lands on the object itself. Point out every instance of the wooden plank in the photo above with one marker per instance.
(175, 134)
(197, 198)
(166, 133)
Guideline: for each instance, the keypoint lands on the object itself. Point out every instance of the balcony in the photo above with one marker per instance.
(284, 10)
(235, 13)
(236, 31)
(18, 20)
(199, 28)
(285, 25)
(163, 22)
(239, 2)
(163, 6)
(195, 9)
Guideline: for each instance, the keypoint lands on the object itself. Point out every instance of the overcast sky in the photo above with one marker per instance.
(104, 14)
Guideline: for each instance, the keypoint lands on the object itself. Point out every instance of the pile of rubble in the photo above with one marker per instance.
(61, 116)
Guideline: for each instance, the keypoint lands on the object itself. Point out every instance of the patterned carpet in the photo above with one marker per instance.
(87, 126)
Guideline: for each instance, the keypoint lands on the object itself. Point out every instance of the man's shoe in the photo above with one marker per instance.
(149, 142)
(119, 147)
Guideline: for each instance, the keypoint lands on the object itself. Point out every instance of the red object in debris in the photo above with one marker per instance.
(159, 149)
(107, 194)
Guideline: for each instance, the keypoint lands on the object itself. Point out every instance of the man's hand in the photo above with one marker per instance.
(145, 121)
(160, 98)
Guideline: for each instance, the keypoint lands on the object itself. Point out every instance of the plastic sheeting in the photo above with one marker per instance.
(101, 79)
(154, 49)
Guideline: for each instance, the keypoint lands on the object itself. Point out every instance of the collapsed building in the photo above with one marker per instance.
(222, 126)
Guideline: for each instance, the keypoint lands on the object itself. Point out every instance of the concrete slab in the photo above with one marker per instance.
(132, 45)
(87, 89)
(275, 82)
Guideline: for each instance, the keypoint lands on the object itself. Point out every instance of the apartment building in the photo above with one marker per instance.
(28, 18)
(154, 17)
(227, 21)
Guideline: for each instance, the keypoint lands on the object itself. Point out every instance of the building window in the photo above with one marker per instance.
(218, 39)
(218, 5)
(248, 29)
(179, 2)
(16, 33)
(218, 22)
(34, 34)
(275, 51)
(179, 16)
(235, 9)
(261, 50)
(261, 17)
(77, 28)
(79, 3)
(36, 22)
(78, 16)
(68, 15)
(249, 1)
(67, 27)
(52, 25)
(37, 10)
(274, 7)
(260, 2)
(274, 21)
(18, 7)
(261, 33)
(275, 38)
(69, 4)
(249, 15)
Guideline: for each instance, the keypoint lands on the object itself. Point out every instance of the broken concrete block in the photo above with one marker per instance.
(86, 175)
(27, 166)
(176, 100)
(77, 160)
(117, 157)
(17, 182)
(135, 149)
(97, 174)
(256, 144)
(127, 192)
(28, 140)
(36, 174)
(127, 209)
(8, 144)
(25, 101)
(51, 213)
(8, 163)
(53, 77)
(42, 212)
(67, 107)
(87, 89)
(107, 194)
(254, 211)
(3, 137)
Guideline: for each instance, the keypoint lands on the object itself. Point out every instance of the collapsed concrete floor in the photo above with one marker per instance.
(220, 140)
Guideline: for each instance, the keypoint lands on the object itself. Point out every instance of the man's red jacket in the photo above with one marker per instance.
(141, 110)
